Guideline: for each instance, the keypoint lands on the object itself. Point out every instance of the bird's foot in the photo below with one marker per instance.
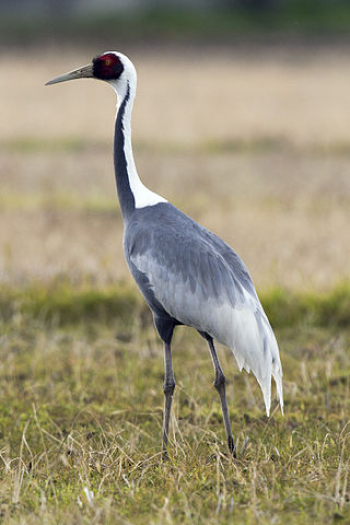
(231, 446)
(165, 455)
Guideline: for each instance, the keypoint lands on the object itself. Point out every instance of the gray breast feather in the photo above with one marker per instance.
(200, 281)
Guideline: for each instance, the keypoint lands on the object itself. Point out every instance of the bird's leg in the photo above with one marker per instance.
(219, 384)
(168, 387)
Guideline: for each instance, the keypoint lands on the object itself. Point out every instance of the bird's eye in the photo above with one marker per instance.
(108, 62)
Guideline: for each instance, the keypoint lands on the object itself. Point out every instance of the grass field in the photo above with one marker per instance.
(255, 147)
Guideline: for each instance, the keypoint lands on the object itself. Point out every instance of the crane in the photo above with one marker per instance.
(187, 274)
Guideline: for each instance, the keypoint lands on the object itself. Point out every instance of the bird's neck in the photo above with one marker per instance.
(132, 193)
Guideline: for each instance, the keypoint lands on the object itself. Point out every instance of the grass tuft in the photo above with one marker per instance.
(81, 415)
(65, 304)
(289, 309)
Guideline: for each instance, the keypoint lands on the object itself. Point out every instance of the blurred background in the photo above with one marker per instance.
(241, 120)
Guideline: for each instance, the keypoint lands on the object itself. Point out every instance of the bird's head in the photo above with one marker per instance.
(112, 67)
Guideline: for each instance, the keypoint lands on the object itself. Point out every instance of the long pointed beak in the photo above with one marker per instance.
(82, 72)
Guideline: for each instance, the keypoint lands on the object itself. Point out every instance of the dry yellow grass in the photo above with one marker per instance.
(253, 147)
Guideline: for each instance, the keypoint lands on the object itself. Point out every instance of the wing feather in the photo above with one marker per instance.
(200, 281)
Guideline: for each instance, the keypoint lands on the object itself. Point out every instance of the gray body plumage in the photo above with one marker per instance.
(189, 276)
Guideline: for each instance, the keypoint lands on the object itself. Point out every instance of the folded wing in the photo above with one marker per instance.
(200, 281)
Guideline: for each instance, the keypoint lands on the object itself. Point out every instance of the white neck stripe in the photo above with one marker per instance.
(142, 195)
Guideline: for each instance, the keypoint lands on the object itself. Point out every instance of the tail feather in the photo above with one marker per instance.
(255, 348)
(277, 375)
